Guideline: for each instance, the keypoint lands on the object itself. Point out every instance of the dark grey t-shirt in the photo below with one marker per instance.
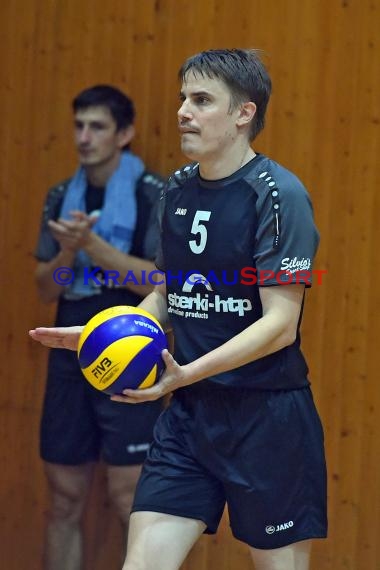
(145, 242)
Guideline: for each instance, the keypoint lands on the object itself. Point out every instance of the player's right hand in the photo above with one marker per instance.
(57, 337)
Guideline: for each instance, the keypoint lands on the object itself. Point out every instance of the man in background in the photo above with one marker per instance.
(102, 218)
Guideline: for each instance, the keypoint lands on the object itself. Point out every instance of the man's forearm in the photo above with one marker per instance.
(48, 289)
(137, 274)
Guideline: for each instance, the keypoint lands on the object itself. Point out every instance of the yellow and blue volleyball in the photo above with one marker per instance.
(120, 348)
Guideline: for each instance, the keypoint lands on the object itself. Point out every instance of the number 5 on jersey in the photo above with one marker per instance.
(199, 228)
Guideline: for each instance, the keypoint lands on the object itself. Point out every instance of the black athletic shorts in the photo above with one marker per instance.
(80, 424)
(261, 452)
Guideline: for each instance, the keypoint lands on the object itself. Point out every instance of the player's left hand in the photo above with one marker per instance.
(172, 378)
(57, 337)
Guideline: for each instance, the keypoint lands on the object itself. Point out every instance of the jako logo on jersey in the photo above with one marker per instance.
(198, 306)
(181, 212)
(294, 264)
(270, 529)
(136, 447)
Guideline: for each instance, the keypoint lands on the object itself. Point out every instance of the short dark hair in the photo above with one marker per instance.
(242, 71)
(119, 104)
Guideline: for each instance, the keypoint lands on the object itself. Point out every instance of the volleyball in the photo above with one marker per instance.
(120, 348)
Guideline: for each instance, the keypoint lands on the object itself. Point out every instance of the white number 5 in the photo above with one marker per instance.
(198, 228)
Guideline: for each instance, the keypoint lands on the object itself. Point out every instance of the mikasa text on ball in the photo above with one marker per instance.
(120, 348)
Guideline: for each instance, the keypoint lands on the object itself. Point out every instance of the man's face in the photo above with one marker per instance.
(205, 120)
(96, 136)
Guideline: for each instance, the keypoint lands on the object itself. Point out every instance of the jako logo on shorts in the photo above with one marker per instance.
(270, 529)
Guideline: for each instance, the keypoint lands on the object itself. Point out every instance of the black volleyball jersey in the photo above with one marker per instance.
(220, 241)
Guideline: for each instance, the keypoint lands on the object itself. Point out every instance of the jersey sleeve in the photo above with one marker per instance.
(287, 238)
(47, 247)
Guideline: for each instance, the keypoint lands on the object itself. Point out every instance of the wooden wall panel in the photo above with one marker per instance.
(323, 123)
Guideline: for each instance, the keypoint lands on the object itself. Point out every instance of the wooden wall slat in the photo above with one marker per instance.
(323, 122)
